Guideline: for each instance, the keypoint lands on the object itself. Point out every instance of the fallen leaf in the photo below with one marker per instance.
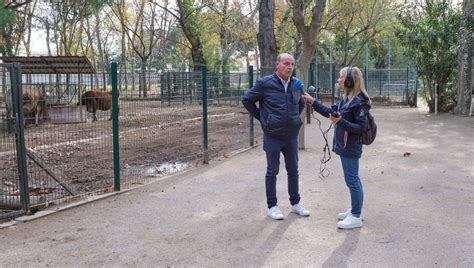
(226, 153)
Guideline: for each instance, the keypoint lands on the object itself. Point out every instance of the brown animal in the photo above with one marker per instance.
(34, 104)
(411, 100)
(97, 100)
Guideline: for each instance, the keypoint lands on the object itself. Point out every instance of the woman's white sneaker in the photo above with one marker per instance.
(350, 222)
(300, 210)
(343, 215)
(275, 213)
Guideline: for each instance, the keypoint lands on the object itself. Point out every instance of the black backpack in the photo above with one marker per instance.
(369, 135)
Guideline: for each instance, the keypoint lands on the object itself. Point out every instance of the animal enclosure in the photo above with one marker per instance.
(157, 136)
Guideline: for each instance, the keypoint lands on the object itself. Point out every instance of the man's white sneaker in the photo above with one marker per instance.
(300, 210)
(275, 213)
(343, 215)
(350, 222)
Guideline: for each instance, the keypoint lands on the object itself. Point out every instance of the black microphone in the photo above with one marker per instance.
(334, 112)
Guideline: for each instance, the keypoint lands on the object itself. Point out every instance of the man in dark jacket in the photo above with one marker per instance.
(280, 105)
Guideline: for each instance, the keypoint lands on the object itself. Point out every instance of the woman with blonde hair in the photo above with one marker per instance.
(350, 119)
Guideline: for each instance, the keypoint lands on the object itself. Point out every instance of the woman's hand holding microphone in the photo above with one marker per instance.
(334, 116)
(308, 98)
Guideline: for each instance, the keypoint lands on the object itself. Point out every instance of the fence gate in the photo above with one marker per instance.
(14, 196)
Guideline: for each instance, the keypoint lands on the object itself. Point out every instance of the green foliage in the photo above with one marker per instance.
(285, 30)
(351, 24)
(430, 34)
(7, 18)
(175, 53)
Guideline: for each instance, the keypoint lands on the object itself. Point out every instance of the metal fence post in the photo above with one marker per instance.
(20, 138)
(408, 83)
(415, 99)
(331, 84)
(184, 84)
(168, 87)
(310, 83)
(190, 86)
(204, 115)
(389, 67)
(366, 78)
(238, 90)
(115, 129)
(251, 125)
(380, 83)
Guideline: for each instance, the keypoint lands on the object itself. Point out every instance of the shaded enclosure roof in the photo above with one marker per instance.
(52, 64)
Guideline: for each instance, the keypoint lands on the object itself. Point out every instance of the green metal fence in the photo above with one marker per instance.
(385, 86)
(12, 172)
(69, 156)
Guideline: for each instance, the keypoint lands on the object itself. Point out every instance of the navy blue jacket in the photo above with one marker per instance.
(348, 131)
(277, 111)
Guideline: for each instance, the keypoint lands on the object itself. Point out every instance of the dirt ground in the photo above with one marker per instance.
(418, 181)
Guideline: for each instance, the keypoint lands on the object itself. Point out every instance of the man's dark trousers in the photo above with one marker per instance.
(289, 148)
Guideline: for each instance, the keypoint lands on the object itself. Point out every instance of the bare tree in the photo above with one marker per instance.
(118, 7)
(123, 55)
(15, 4)
(26, 37)
(100, 48)
(68, 15)
(141, 35)
(354, 23)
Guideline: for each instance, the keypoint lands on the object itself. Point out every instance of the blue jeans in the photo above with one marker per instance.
(350, 166)
(273, 147)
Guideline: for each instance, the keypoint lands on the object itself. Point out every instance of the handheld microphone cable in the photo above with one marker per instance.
(323, 170)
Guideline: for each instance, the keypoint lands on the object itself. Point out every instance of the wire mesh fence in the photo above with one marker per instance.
(69, 144)
(9, 176)
(385, 86)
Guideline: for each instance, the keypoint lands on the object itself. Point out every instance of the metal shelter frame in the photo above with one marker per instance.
(52, 64)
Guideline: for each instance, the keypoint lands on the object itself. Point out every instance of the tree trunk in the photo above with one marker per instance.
(132, 69)
(48, 34)
(193, 38)
(142, 88)
(102, 60)
(308, 35)
(148, 75)
(465, 61)
(123, 65)
(266, 36)
(93, 57)
(27, 37)
(224, 48)
(123, 60)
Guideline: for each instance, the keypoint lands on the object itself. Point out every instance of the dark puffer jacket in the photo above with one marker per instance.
(348, 131)
(277, 111)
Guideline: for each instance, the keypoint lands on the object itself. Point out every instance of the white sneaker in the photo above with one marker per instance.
(275, 213)
(350, 222)
(300, 210)
(343, 215)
